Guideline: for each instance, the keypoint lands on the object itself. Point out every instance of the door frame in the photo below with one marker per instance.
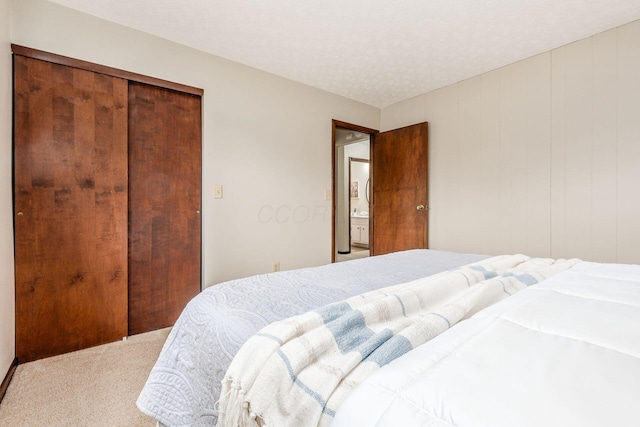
(102, 69)
(357, 128)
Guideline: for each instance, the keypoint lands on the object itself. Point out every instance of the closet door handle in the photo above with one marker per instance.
(420, 207)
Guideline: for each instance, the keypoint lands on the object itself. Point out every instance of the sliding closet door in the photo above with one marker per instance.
(165, 154)
(70, 208)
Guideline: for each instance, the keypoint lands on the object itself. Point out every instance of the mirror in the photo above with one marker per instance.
(359, 186)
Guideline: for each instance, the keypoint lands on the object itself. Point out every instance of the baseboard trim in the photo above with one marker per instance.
(7, 378)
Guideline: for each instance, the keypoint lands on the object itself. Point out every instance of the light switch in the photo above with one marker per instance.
(327, 194)
(217, 191)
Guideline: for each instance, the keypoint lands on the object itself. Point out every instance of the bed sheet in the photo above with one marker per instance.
(185, 382)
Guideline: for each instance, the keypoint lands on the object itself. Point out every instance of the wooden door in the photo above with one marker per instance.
(399, 190)
(70, 193)
(165, 155)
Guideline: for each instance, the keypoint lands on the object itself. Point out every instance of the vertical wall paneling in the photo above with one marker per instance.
(449, 204)
(584, 150)
(513, 159)
(579, 148)
(557, 166)
(536, 134)
(628, 172)
(454, 149)
(471, 171)
(489, 180)
(605, 147)
(558, 153)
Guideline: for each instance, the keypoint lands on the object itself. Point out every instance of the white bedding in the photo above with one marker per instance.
(564, 352)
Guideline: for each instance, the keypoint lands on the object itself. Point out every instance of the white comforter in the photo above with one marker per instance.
(565, 352)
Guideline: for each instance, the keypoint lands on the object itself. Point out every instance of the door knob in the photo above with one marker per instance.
(420, 207)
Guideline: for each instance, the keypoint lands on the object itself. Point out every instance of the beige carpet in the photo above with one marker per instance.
(93, 387)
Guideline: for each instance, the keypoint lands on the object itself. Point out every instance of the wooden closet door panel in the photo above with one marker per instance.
(70, 189)
(165, 155)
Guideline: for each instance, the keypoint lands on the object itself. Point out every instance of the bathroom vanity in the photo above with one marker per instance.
(360, 231)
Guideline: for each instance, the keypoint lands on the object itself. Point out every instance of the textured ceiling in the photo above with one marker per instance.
(376, 51)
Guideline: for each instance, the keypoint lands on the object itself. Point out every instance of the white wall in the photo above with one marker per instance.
(342, 243)
(540, 157)
(7, 298)
(266, 139)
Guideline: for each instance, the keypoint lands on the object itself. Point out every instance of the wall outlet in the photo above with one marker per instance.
(217, 191)
(276, 266)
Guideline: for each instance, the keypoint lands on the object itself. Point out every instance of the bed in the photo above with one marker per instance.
(561, 347)
(565, 352)
(184, 385)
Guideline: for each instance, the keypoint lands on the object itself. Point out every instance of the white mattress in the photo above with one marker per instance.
(565, 352)
(185, 382)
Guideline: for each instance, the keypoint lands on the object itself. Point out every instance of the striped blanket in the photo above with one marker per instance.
(296, 372)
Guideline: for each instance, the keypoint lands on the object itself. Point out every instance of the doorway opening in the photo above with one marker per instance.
(351, 176)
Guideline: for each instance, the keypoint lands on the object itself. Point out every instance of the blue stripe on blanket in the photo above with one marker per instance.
(488, 274)
(390, 350)
(351, 333)
(333, 311)
(271, 337)
(304, 387)
(349, 330)
(527, 279)
(442, 317)
(371, 345)
(404, 312)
